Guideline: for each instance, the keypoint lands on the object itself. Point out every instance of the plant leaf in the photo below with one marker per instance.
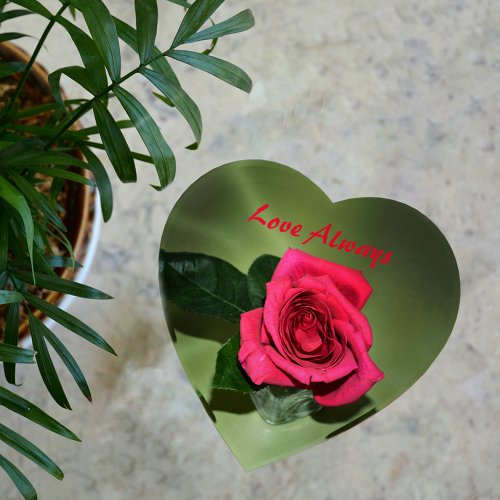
(44, 363)
(129, 36)
(204, 285)
(19, 479)
(17, 156)
(61, 285)
(29, 450)
(236, 24)
(17, 201)
(28, 410)
(10, 296)
(115, 144)
(6, 37)
(60, 261)
(70, 322)
(260, 273)
(34, 6)
(10, 338)
(103, 30)
(175, 94)
(224, 70)
(151, 135)
(85, 132)
(146, 15)
(199, 12)
(182, 3)
(78, 74)
(89, 53)
(9, 68)
(14, 354)
(102, 181)
(69, 361)
(12, 14)
(37, 200)
(62, 174)
(4, 238)
(228, 372)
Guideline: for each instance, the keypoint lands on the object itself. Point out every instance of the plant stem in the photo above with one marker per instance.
(32, 60)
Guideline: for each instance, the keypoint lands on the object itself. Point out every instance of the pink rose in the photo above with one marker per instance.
(311, 333)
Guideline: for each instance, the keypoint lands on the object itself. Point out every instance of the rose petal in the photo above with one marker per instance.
(295, 264)
(306, 375)
(355, 385)
(252, 355)
(276, 295)
(337, 299)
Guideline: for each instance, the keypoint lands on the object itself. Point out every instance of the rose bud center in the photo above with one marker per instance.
(309, 332)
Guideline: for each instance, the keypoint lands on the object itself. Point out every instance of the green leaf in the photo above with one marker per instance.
(10, 297)
(60, 261)
(10, 338)
(199, 12)
(224, 70)
(78, 74)
(89, 53)
(228, 372)
(62, 174)
(29, 450)
(260, 273)
(4, 238)
(34, 6)
(28, 410)
(7, 37)
(151, 135)
(14, 156)
(12, 14)
(9, 68)
(61, 285)
(69, 361)
(164, 99)
(19, 479)
(102, 181)
(37, 200)
(175, 94)
(115, 144)
(85, 132)
(17, 201)
(44, 363)
(205, 285)
(135, 155)
(129, 36)
(70, 322)
(182, 3)
(14, 354)
(146, 15)
(236, 24)
(103, 30)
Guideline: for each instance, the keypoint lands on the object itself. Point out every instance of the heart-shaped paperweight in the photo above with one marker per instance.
(250, 208)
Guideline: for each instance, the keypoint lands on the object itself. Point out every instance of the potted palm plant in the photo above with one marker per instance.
(46, 158)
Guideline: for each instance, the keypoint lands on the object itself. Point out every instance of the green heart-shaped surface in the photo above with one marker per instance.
(412, 309)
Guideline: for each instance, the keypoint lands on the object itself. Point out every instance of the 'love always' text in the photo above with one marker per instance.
(326, 235)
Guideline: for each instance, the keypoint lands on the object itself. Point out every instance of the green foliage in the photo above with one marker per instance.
(260, 273)
(202, 284)
(205, 285)
(228, 372)
(40, 152)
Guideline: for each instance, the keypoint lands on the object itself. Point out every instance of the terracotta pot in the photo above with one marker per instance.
(81, 217)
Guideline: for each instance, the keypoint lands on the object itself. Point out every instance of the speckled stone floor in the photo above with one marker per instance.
(395, 99)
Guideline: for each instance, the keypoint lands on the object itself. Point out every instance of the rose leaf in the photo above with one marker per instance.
(205, 285)
(260, 273)
(228, 371)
